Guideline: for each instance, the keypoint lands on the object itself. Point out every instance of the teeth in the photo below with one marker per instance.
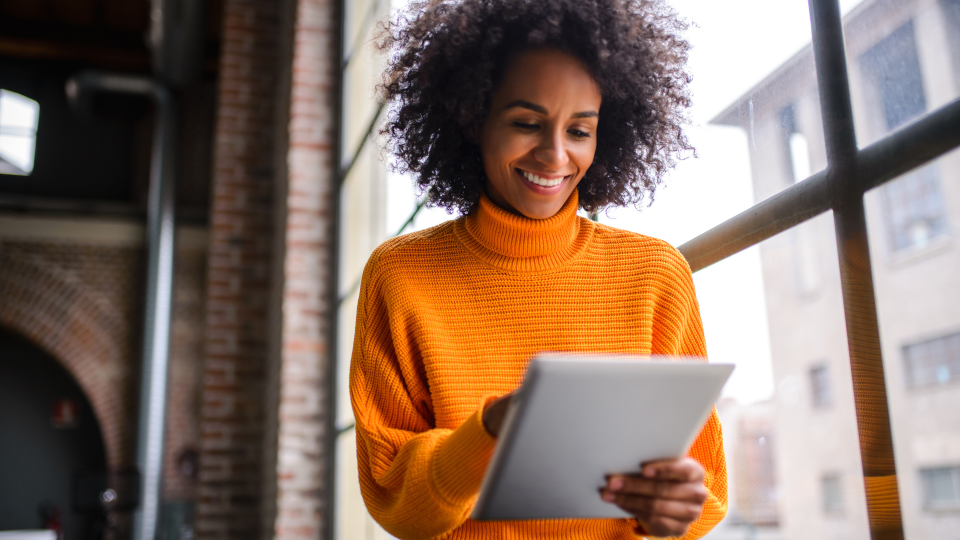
(542, 181)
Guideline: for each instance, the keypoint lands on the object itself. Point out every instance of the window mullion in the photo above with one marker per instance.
(908, 148)
(863, 334)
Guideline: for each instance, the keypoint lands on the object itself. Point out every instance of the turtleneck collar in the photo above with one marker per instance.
(515, 242)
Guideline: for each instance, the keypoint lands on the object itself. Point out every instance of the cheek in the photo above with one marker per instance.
(503, 152)
(585, 157)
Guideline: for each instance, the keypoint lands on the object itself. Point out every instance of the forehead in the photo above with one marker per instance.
(549, 78)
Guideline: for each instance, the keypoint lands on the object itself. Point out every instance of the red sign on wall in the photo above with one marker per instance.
(66, 414)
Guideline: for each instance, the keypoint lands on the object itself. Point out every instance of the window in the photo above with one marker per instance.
(933, 362)
(18, 133)
(913, 204)
(797, 146)
(820, 387)
(831, 490)
(894, 71)
(941, 488)
(914, 209)
(951, 15)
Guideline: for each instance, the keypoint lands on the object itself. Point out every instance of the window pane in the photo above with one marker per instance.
(361, 16)
(941, 488)
(351, 512)
(360, 105)
(832, 494)
(362, 215)
(904, 61)
(918, 303)
(789, 421)
(346, 326)
(18, 133)
(914, 211)
(352, 522)
(820, 387)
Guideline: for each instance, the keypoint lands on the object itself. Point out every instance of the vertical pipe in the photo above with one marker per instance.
(159, 308)
(863, 335)
(159, 297)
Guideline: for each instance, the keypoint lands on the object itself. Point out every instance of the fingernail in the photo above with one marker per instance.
(616, 483)
(649, 472)
(608, 497)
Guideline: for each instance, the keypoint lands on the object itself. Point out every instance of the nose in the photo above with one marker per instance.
(552, 151)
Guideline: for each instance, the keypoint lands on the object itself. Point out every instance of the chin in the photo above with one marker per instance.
(541, 211)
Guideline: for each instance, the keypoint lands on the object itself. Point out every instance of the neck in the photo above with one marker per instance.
(518, 243)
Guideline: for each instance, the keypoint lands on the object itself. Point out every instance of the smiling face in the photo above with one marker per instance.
(541, 134)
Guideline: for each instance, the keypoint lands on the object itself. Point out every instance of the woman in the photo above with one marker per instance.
(516, 113)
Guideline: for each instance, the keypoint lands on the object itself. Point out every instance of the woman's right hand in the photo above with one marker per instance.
(495, 412)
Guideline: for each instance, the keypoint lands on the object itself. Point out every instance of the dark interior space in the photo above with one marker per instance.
(38, 460)
(98, 161)
(91, 156)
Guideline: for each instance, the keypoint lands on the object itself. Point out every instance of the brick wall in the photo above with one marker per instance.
(82, 302)
(186, 361)
(308, 301)
(238, 284)
(263, 444)
(79, 304)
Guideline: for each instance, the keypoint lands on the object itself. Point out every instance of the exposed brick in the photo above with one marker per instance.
(83, 304)
(301, 452)
(238, 272)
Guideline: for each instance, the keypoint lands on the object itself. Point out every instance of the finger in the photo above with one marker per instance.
(650, 508)
(679, 470)
(663, 489)
(663, 526)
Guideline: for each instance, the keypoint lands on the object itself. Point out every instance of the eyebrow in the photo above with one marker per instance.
(542, 110)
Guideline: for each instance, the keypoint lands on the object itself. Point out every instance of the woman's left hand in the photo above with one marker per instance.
(665, 498)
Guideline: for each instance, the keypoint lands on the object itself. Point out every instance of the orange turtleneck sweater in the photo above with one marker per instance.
(448, 319)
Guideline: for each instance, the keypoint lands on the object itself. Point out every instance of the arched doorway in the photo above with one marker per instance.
(49, 434)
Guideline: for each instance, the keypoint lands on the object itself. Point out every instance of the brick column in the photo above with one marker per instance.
(308, 301)
(238, 282)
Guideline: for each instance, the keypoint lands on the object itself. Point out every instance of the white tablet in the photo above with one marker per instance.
(577, 419)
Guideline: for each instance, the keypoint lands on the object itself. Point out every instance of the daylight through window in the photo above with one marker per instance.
(18, 133)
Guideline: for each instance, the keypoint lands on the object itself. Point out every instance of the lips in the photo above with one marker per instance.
(540, 181)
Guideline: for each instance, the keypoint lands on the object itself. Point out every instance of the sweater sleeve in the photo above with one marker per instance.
(417, 481)
(681, 334)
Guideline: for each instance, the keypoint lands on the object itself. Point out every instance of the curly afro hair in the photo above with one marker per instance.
(448, 57)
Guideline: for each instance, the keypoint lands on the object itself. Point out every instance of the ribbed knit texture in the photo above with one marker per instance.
(448, 319)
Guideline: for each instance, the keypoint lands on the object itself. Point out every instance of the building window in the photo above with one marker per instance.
(933, 362)
(951, 15)
(832, 492)
(941, 488)
(820, 387)
(893, 68)
(18, 133)
(913, 204)
(798, 149)
(914, 209)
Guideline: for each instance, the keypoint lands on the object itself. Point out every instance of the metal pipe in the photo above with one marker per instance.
(159, 298)
(910, 147)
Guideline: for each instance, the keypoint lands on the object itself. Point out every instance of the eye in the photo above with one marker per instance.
(525, 126)
(577, 134)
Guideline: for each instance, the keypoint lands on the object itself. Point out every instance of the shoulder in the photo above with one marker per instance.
(409, 253)
(651, 254)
